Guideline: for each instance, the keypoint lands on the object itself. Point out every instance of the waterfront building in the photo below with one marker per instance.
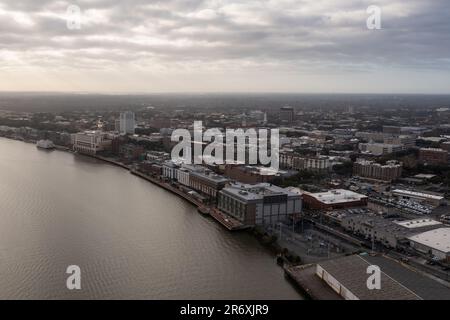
(132, 151)
(207, 183)
(184, 172)
(90, 142)
(259, 204)
(127, 123)
(151, 167)
(169, 170)
(183, 176)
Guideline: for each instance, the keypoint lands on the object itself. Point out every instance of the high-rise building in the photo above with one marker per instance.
(127, 123)
(287, 114)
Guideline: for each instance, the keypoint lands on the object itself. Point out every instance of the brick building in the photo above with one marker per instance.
(433, 156)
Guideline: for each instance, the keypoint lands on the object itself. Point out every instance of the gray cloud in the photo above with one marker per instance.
(216, 36)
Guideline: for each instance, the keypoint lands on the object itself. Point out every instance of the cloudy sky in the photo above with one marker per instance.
(225, 46)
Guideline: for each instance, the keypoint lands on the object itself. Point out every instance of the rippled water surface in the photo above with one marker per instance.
(130, 238)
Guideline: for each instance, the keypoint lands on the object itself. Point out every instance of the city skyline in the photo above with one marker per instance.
(225, 46)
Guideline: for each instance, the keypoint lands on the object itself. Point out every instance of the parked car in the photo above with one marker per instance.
(405, 260)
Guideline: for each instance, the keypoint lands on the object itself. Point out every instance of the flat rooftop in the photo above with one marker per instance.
(256, 191)
(398, 281)
(438, 239)
(418, 223)
(424, 176)
(417, 194)
(337, 196)
(422, 285)
(210, 176)
(434, 149)
(351, 273)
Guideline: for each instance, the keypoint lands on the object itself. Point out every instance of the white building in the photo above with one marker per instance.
(296, 162)
(183, 173)
(170, 170)
(432, 199)
(435, 242)
(127, 122)
(183, 176)
(89, 142)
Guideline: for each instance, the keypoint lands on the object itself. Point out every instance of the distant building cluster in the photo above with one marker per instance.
(342, 170)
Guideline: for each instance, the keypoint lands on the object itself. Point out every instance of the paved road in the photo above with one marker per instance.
(308, 247)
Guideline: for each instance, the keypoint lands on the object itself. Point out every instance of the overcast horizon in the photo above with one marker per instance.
(219, 46)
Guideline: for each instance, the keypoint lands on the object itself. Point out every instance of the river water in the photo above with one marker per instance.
(131, 239)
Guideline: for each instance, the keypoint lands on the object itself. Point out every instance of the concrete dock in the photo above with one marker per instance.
(309, 284)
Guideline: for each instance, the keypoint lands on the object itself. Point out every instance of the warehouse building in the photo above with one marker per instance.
(387, 232)
(347, 276)
(435, 242)
(432, 199)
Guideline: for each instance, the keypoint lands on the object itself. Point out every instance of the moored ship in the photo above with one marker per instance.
(45, 144)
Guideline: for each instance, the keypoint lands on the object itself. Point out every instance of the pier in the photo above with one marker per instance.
(305, 279)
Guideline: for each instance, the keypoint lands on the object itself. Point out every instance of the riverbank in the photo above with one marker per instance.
(226, 221)
(283, 256)
(131, 239)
